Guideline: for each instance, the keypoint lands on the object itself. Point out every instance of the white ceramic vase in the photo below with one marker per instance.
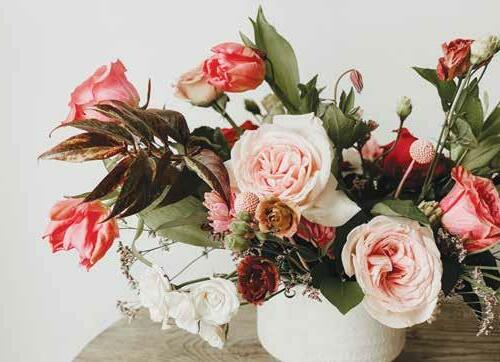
(301, 329)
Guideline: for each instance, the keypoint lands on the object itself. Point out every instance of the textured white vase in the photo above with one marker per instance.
(301, 329)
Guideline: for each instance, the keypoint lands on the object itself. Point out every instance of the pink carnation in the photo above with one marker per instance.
(220, 214)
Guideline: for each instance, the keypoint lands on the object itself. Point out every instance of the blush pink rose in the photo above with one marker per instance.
(108, 83)
(234, 68)
(472, 210)
(371, 150)
(282, 160)
(77, 225)
(220, 214)
(194, 87)
(398, 266)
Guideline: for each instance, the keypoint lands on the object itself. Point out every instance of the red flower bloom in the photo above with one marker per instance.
(257, 276)
(230, 133)
(320, 236)
(456, 59)
(397, 161)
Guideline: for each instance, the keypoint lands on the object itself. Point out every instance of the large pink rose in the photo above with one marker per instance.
(291, 159)
(108, 83)
(77, 225)
(234, 68)
(398, 266)
(194, 87)
(472, 210)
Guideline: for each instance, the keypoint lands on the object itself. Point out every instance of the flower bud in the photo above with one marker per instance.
(240, 228)
(483, 49)
(236, 243)
(244, 216)
(403, 108)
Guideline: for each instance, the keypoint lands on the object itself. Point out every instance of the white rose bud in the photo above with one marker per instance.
(484, 48)
(403, 108)
(215, 301)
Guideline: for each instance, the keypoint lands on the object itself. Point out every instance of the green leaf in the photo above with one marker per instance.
(483, 154)
(446, 89)
(139, 228)
(343, 295)
(252, 107)
(346, 103)
(210, 168)
(342, 130)
(463, 134)
(273, 107)
(472, 110)
(309, 96)
(192, 234)
(211, 138)
(282, 71)
(404, 208)
(492, 124)
(84, 147)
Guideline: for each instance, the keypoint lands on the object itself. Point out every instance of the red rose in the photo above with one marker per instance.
(230, 133)
(472, 210)
(257, 276)
(456, 59)
(234, 68)
(395, 163)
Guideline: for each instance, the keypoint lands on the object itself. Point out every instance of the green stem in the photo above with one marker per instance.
(482, 267)
(267, 298)
(335, 88)
(228, 118)
(398, 136)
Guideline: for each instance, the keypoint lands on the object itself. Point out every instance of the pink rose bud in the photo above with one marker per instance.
(194, 87)
(356, 80)
(108, 83)
(234, 68)
(472, 210)
(77, 225)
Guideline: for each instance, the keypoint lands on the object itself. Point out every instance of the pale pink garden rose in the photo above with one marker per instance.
(77, 225)
(472, 211)
(234, 68)
(398, 266)
(220, 214)
(193, 86)
(282, 160)
(108, 83)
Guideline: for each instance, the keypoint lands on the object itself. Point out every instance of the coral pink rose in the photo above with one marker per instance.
(472, 210)
(194, 87)
(219, 214)
(398, 266)
(456, 59)
(282, 160)
(320, 236)
(234, 68)
(77, 225)
(108, 83)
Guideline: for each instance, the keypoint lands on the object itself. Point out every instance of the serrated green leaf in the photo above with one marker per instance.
(342, 130)
(446, 89)
(404, 208)
(343, 295)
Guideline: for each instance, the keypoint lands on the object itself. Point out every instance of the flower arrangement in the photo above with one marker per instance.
(302, 195)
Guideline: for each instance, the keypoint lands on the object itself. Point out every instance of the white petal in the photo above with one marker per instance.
(332, 207)
(181, 309)
(213, 334)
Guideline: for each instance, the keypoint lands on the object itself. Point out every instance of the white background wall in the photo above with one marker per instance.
(49, 306)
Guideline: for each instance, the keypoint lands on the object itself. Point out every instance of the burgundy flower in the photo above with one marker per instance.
(456, 59)
(257, 276)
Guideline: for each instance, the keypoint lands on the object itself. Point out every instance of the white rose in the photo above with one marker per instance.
(291, 159)
(215, 301)
(153, 288)
(193, 87)
(214, 335)
(181, 309)
(484, 48)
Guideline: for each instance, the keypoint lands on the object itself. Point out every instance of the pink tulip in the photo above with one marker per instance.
(77, 225)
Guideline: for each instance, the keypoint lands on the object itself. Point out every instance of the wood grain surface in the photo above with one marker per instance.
(451, 338)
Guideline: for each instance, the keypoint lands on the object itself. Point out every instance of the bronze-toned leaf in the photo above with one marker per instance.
(111, 129)
(210, 168)
(140, 171)
(184, 184)
(109, 183)
(131, 121)
(167, 123)
(84, 147)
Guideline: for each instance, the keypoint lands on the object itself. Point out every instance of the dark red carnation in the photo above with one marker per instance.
(397, 161)
(230, 133)
(257, 276)
(456, 59)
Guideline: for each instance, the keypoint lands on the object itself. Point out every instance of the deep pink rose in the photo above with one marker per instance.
(472, 210)
(77, 225)
(398, 266)
(193, 86)
(320, 236)
(456, 59)
(234, 68)
(108, 83)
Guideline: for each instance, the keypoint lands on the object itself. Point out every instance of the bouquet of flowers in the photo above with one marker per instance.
(302, 194)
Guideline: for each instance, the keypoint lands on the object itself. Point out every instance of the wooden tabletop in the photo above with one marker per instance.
(451, 338)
